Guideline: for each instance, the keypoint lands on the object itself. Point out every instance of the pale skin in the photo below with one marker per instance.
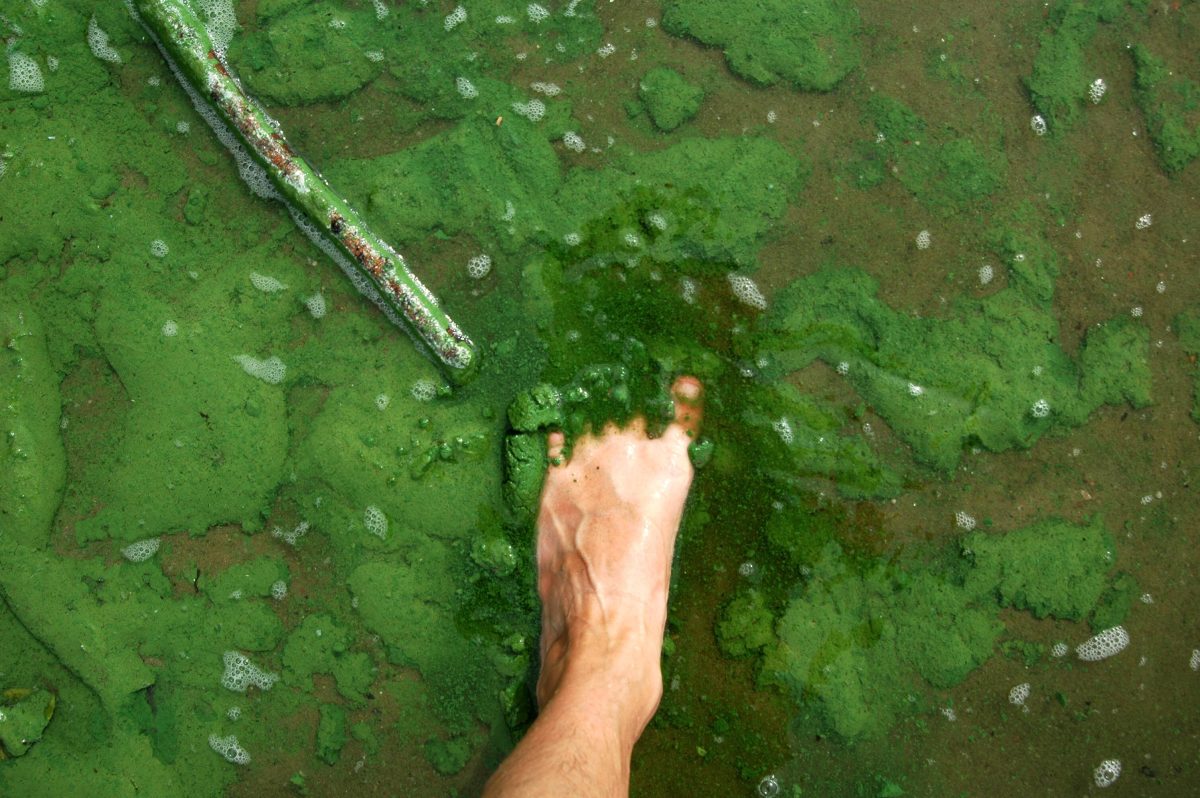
(606, 535)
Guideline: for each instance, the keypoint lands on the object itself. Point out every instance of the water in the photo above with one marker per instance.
(937, 396)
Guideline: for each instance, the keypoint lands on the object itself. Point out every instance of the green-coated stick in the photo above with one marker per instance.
(189, 50)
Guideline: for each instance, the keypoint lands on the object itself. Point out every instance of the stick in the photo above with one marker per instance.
(188, 49)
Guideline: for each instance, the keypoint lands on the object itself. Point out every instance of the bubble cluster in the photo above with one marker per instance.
(271, 370)
(1097, 90)
(537, 13)
(607, 49)
(97, 40)
(266, 283)
(479, 266)
(964, 521)
(1019, 694)
(141, 550)
(783, 429)
(381, 10)
(1107, 773)
(382, 401)
(220, 21)
(924, 239)
(455, 18)
(631, 239)
(24, 75)
(1040, 409)
(375, 521)
(316, 305)
(548, 89)
(747, 569)
(240, 673)
(159, 248)
(572, 239)
(1059, 650)
(534, 110)
(986, 274)
(170, 329)
(466, 88)
(949, 714)
(1103, 645)
(747, 291)
(291, 537)
(279, 590)
(374, 56)
(233, 713)
(1194, 662)
(769, 786)
(687, 290)
(228, 747)
(1144, 221)
(1038, 125)
(915, 390)
(424, 390)
(573, 142)
(772, 117)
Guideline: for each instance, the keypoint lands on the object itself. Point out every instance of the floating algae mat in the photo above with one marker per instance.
(935, 266)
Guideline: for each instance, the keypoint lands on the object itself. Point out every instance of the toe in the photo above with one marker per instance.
(689, 405)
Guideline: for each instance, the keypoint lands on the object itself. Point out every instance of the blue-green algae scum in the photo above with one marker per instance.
(935, 263)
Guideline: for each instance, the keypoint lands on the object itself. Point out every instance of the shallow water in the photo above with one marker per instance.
(888, 636)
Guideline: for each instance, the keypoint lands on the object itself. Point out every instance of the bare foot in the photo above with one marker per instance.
(606, 537)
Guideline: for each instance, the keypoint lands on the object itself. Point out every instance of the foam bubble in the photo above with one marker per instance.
(241, 673)
(1107, 772)
(534, 110)
(548, 89)
(1019, 694)
(316, 305)
(24, 75)
(466, 88)
(964, 521)
(1040, 409)
(220, 21)
(986, 273)
(97, 40)
(455, 18)
(747, 291)
(229, 748)
(479, 266)
(382, 401)
(291, 537)
(1103, 645)
(1059, 650)
(271, 371)
(573, 142)
(1194, 662)
(537, 13)
(607, 49)
(424, 390)
(266, 283)
(924, 239)
(783, 428)
(159, 248)
(140, 551)
(279, 590)
(1037, 124)
(572, 239)
(376, 522)
(170, 329)
(233, 713)
(374, 55)
(657, 221)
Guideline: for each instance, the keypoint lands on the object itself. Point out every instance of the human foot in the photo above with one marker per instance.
(606, 536)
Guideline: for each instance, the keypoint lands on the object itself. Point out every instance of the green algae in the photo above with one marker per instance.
(1171, 105)
(331, 733)
(669, 98)
(862, 642)
(1187, 327)
(982, 371)
(24, 715)
(940, 167)
(811, 46)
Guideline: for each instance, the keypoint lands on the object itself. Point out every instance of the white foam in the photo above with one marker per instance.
(424, 390)
(220, 21)
(1107, 773)
(241, 673)
(266, 283)
(466, 88)
(229, 748)
(924, 239)
(97, 40)
(170, 329)
(747, 291)
(279, 590)
(964, 521)
(382, 401)
(455, 18)
(1019, 694)
(376, 522)
(381, 10)
(140, 551)
(316, 305)
(24, 75)
(548, 89)
(271, 370)
(1103, 645)
(537, 13)
(479, 266)
(534, 110)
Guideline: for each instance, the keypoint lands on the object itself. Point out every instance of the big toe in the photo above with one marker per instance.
(688, 393)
